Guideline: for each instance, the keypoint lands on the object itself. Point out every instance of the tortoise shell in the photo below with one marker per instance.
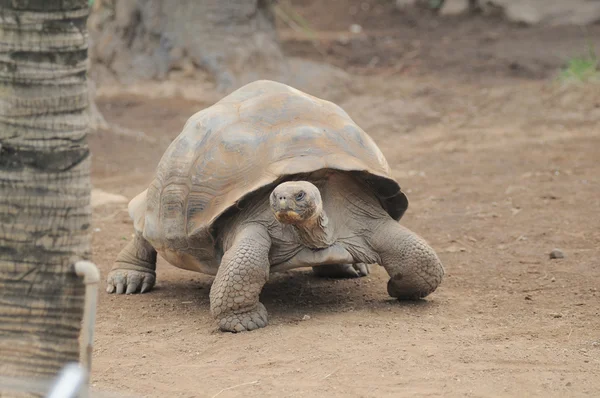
(256, 136)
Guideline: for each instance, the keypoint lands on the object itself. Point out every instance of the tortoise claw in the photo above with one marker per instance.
(146, 287)
(126, 281)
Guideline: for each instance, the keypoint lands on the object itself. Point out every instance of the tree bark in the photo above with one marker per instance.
(234, 41)
(44, 183)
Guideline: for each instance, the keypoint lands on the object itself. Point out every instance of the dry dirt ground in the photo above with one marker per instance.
(500, 169)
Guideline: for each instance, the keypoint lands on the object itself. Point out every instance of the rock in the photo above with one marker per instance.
(454, 7)
(557, 253)
(306, 317)
(104, 47)
(524, 12)
(586, 14)
(176, 55)
(402, 4)
(125, 13)
(550, 12)
(100, 198)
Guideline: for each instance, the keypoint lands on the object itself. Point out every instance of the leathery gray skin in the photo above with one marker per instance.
(333, 224)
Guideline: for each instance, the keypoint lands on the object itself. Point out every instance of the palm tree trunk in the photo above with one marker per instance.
(44, 183)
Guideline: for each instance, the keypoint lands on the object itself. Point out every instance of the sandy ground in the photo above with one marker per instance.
(499, 168)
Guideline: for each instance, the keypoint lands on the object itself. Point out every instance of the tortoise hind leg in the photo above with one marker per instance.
(342, 270)
(134, 269)
(414, 268)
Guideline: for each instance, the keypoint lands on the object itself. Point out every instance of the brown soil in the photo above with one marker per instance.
(418, 42)
(500, 169)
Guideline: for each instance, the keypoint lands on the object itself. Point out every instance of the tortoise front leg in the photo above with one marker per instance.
(241, 276)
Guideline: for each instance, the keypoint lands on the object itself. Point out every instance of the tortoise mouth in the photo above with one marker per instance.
(288, 217)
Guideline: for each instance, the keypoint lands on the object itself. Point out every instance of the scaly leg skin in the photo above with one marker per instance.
(242, 274)
(135, 268)
(414, 268)
(342, 270)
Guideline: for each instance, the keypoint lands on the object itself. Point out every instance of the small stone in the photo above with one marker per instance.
(557, 253)
(455, 249)
(568, 384)
(528, 297)
(306, 317)
(343, 39)
(556, 315)
(454, 7)
(355, 28)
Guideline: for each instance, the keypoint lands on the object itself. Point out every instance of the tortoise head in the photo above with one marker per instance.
(296, 202)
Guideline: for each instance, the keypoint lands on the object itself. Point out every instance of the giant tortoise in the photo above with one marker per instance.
(265, 180)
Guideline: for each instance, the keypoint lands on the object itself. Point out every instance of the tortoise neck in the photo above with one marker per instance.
(316, 233)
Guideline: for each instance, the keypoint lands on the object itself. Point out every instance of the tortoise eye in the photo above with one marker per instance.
(300, 195)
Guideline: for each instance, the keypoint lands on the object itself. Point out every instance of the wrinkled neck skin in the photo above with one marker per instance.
(316, 232)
